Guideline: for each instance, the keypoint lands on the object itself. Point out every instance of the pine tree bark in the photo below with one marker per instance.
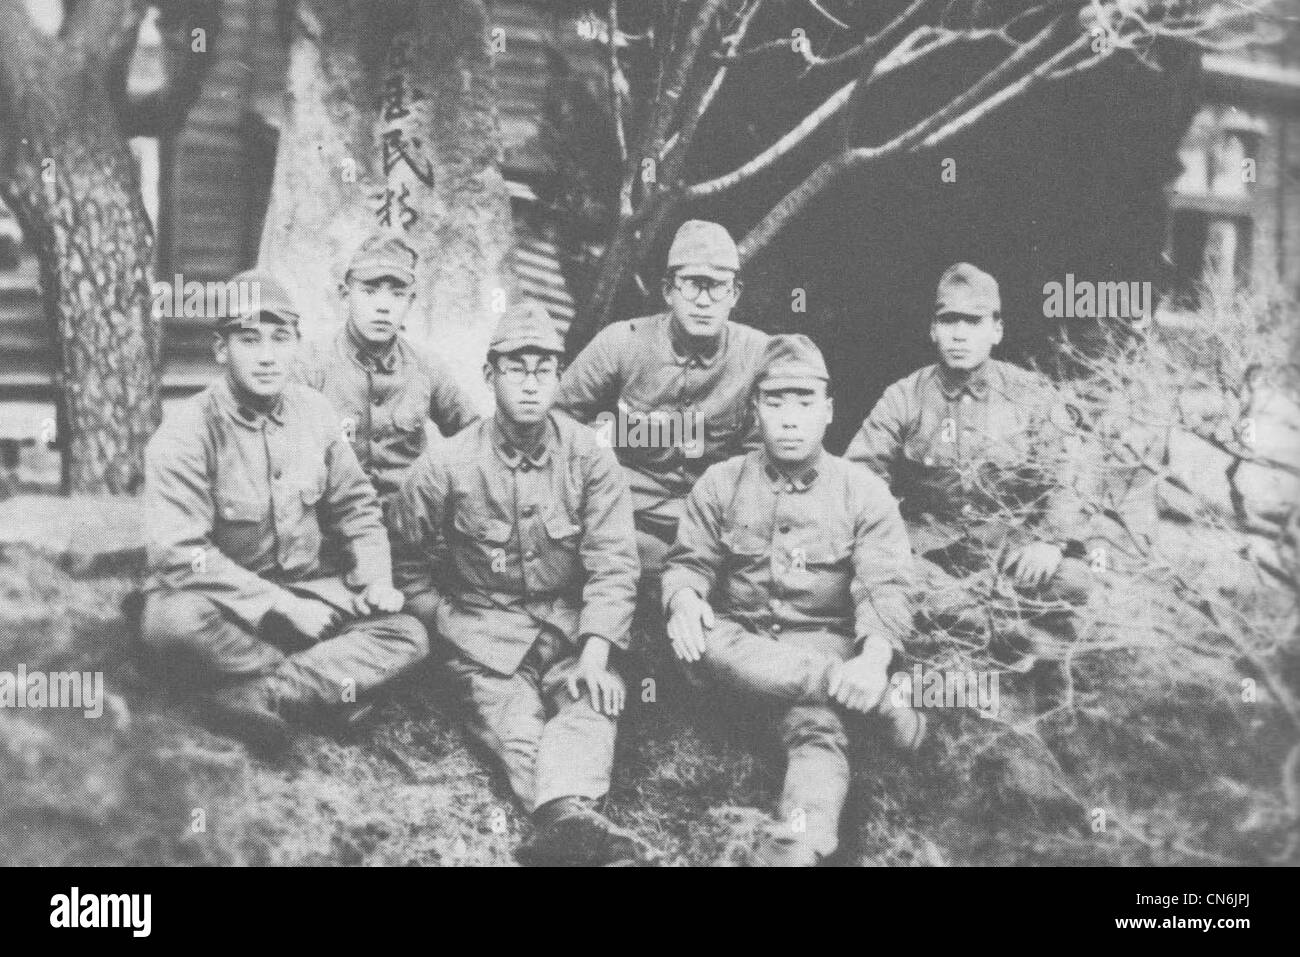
(392, 125)
(67, 173)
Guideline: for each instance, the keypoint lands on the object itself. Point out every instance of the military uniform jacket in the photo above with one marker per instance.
(238, 503)
(971, 459)
(637, 368)
(384, 402)
(826, 550)
(510, 543)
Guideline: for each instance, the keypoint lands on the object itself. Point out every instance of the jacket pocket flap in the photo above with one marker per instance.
(558, 526)
(242, 509)
(742, 539)
(483, 529)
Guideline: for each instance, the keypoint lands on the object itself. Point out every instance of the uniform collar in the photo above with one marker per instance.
(974, 383)
(516, 458)
(365, 355)
(685, 355)
(798, 483)
(242, 410)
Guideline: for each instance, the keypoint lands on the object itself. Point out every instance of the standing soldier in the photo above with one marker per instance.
(242, 483)
(516, 544)
(789, 583)
(381, 386)
(968, 445)
(688, 370)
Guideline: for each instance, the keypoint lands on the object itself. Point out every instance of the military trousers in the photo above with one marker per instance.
(189, 641)
(962, 588)
(789, 674)
(550, 744)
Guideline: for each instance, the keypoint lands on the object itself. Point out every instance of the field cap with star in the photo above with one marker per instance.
(705, 247)
(526, 325)
(383, 256)
(967, 291)
(791, 361)
(266, 300)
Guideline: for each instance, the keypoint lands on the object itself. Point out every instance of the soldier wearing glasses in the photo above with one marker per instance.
(515, 545)
(690, 365)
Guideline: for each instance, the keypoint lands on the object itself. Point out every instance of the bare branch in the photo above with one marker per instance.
(683, 137)
(794, 202)
(616, 84)
(825, 13)
(781, 148)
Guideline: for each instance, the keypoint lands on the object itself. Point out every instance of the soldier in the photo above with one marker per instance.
(242, 483)
(515, 544)
(687, 371)
(380, 385)
(967, 445)
(789, 584)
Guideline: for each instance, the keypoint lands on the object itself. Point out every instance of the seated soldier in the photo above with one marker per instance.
(687, 371)
(382, 387)
(515, 545)
(789, 584)
(242, 484)
(968, 446)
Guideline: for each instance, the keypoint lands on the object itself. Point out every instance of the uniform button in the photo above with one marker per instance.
(278, 475)
(776, 627)
(929, 460)
(785, 529)
(966, 509)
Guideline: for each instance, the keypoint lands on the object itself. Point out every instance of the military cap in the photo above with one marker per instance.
(383, 255)
(791, 361)
(259, 297)
(969, 291)
(526, 325)
(702, 243)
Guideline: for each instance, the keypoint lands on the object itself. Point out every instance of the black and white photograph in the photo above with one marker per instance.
(650, 433)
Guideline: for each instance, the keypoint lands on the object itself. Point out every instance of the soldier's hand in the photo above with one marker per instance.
(691, 617)
(859, 683)
(379, 597)
(309, 617)
(603, 685)
(1035, 564)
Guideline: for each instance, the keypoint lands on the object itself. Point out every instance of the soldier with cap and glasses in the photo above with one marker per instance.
(383, 388)
(789, 584)
(969, 446)
(691, 365)
(515, 545)
(243, 484)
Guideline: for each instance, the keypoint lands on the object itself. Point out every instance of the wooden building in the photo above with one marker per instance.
(208, 189)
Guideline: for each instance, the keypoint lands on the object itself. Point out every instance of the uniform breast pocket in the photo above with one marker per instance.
(561, 529)
(484, 539)
(408, 418)
(238, 525)
(815, 564)
(745, 542)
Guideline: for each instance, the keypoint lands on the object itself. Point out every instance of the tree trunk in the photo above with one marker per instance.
(72, 182)
(392, 125)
